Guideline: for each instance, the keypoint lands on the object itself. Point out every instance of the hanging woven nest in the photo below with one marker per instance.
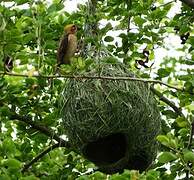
(111, 123)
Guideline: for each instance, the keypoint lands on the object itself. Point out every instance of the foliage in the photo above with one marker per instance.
(29, 34)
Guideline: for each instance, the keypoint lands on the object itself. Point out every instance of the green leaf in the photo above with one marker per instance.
(184, 77)
(182, 122)
(106, 28)
(12, 163)
(166, 157)
(24, 23)
(4, 111)
(84, 177)
(163, 139)
(50, 44)
(189, 156)
(69, 159)
(167, 7)
(173, 143)
(188, 62)
(55, 7)
(139, 21)
(108, 39)
(8, 147)
(111, 47)
(170, 114)
(98, 175)
(61, 19)
(19, 2)
(183, 132)
(191, 40)
(184, 29)
(163, 72)
(152, 175)
(29, 178)
(4, 177)
(2, 23)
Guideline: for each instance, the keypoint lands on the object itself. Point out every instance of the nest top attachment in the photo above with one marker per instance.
(112, 123)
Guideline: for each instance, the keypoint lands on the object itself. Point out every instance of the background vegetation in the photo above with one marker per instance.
(32, 144)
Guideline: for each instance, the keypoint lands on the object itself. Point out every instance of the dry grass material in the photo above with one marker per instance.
(112, 123)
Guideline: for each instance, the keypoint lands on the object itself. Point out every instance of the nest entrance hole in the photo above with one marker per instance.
(106, 150)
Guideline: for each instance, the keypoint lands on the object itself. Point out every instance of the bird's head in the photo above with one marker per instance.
(70, 29)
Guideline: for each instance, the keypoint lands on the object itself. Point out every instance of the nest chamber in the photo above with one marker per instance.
(111, 123)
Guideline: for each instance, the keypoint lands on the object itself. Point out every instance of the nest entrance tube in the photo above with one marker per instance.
(106, 150)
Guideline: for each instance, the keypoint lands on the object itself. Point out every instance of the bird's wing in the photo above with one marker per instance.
(62, 50)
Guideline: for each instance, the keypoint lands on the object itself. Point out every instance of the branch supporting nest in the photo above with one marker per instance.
(96, 77)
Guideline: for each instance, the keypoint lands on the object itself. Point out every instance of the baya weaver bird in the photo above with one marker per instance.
(67, 45)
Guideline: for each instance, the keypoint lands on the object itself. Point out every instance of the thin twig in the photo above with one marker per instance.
(191, 136)
(95, 77)
(128, 25)
(39, 156)
(42, 128)
(129, 6)
(167, 101)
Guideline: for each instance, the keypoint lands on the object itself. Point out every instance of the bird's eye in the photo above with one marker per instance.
(73, 28)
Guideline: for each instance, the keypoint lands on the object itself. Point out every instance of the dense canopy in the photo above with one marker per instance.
(154, 39)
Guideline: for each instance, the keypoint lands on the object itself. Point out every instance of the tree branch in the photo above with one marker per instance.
(43, 129)
(39, 156)
(167, 101)
(96, 77)
(190, 3)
